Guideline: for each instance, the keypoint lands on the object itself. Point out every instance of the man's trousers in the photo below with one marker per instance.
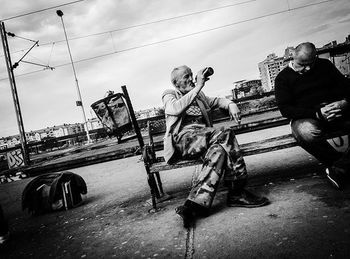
(221, 155)
(311, 135)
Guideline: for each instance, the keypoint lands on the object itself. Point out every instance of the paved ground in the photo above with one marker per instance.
(306, 217)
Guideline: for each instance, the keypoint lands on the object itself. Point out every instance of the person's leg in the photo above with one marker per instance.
(4, 229)
(191, 143)
(204, 189)
(236, 174)
(216, 145)
(222, 155)
(311, 136)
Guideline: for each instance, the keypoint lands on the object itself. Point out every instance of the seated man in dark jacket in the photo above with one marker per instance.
(315, 96)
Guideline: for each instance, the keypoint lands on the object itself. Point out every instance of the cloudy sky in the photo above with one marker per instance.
(138, 42)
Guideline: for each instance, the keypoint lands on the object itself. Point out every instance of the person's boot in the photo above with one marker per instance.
(336, 177)
(240, 197)
(189, 211)
(339, 173)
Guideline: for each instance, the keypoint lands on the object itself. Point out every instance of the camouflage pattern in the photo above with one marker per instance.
(221, 156)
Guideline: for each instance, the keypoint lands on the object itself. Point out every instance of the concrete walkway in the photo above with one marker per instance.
(306, 217)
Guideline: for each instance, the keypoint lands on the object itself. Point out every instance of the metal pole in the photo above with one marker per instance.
(133, 117)
(14, 94)
(79, 102)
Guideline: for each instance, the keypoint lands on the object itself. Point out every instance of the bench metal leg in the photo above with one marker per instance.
(159, 181)
(153, 195)
(153, 187)
(163, 195)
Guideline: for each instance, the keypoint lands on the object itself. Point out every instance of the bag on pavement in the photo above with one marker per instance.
(53, 191)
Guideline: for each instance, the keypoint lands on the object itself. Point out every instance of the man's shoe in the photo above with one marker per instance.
(246, 199)
(335, 176)
(186, 214)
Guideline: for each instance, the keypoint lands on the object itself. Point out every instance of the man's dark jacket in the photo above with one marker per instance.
(302, 95)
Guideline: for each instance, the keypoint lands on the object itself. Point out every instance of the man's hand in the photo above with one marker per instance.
(334, 110)
(235, 113)
(200, 79)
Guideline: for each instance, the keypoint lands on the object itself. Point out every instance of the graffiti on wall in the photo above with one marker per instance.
(15, 158)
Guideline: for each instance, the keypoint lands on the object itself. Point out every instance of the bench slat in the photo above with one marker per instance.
(238, 129)
(247, 149)
(268, 145)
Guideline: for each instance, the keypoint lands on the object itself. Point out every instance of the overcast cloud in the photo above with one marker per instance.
(233, 43)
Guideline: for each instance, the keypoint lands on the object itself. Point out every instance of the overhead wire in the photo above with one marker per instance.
(48, 61)
(146, 23)
(41, 10)
(23, 38)
(182, 36)
(37, 64)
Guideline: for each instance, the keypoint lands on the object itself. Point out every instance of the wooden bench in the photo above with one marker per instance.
(155, 164)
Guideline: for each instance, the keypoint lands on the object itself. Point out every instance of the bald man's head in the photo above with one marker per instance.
(305, 51)
(304, 57)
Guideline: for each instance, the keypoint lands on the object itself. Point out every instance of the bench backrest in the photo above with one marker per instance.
(158, 126)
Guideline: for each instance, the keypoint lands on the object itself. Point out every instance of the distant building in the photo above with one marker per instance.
(269, 69)
(339, 54)
(288, 53)
(55, 132)
(147, 113)
(244, 88)
(75, 128)
(3, 143)
(9, 141)
(94, 123)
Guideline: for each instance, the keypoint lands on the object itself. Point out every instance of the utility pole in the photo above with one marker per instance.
(79, 102)
(10, 68)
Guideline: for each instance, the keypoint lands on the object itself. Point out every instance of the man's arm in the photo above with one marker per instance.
(224, 103)
(336, 109)
(333, 110)
(175, 106)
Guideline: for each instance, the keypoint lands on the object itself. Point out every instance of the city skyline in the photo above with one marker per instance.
(137, 43)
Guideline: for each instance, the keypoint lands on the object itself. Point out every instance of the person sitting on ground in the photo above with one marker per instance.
(315, 96)
(190, 134)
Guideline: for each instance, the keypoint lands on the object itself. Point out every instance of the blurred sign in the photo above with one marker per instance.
(15, 158)
(113, 113)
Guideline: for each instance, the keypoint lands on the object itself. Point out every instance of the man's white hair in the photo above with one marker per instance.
(175, 73)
